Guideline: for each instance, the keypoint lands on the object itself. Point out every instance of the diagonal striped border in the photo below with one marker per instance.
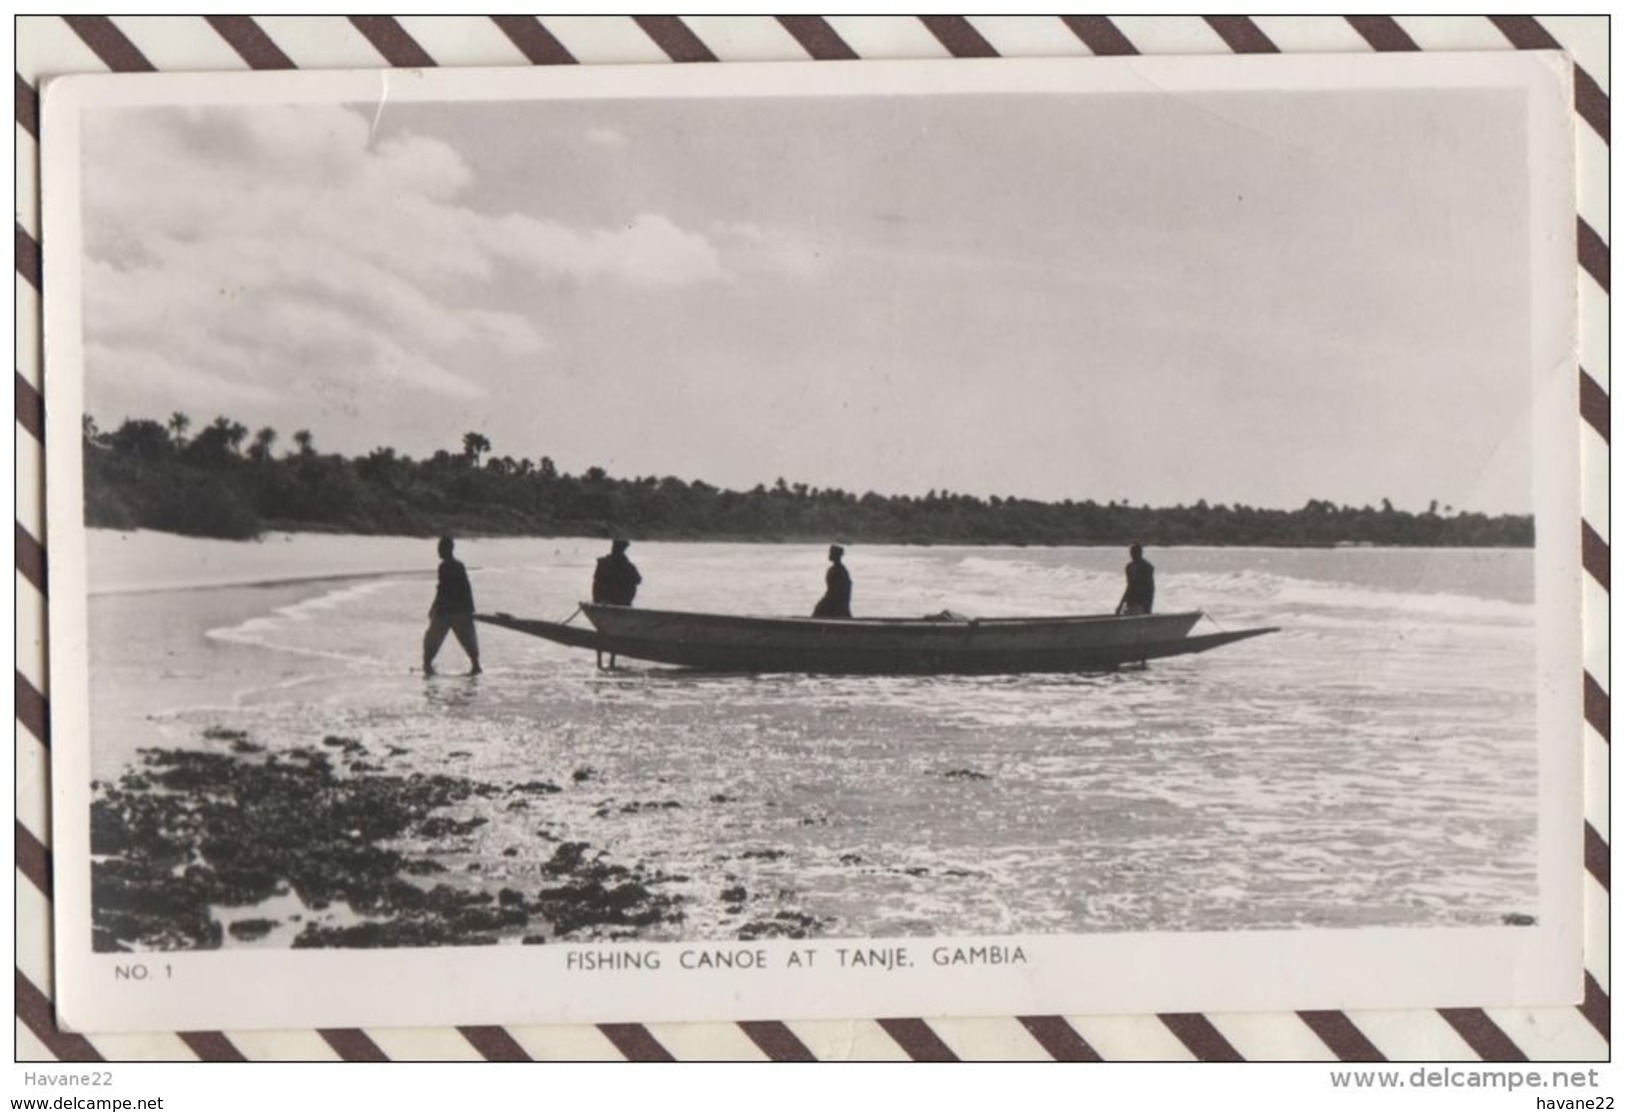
(69, 43)
(1382, 32)
(672, 35)
(959, 36)
(1242, 35)
(1200, 1037)
(110, 43)
(539, 45)
(495, 1044)
(1342, 1037)
(245, 37)
(777, 1041)
(636, 1042)
(817, 38)
(1060, 1039)
(392, 41)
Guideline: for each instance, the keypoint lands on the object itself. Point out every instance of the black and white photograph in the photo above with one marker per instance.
(1048, 534)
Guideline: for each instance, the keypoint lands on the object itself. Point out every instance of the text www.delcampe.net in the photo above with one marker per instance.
(89, 1104)
(1439, 1077)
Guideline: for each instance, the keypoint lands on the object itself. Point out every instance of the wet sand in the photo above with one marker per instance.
(1368, 766)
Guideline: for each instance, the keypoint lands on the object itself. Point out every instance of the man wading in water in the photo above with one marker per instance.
(452, 611)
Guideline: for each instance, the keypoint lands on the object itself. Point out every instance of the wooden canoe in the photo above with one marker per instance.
(878, 646)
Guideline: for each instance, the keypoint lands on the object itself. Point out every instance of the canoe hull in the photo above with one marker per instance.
(722, 643)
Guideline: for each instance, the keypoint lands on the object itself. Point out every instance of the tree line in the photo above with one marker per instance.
(221, 481)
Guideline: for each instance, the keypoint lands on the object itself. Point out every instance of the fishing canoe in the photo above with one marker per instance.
(948, 644)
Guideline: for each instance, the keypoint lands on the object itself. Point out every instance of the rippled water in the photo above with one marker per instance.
(1373, 763)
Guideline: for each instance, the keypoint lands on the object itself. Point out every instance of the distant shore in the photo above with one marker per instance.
(145, 475)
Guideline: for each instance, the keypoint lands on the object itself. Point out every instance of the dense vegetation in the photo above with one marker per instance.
(223, 483)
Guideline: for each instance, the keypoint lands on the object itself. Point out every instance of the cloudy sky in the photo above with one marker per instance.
(1253, 297)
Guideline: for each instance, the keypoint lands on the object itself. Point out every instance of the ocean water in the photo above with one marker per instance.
(1371, 764)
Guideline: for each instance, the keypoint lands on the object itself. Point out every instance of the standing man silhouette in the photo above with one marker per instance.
(1142, 584)
(616, 578)
(615, 581)
(452, 611)
(837, 600)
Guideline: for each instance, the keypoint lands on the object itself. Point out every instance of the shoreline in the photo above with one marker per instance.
(812, 540)
(144, 562)
(157, 667)
(251, 584)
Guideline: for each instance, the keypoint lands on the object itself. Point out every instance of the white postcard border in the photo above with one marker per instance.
(1078, 974)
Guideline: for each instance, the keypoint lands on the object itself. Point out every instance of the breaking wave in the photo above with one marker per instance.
(299, 627)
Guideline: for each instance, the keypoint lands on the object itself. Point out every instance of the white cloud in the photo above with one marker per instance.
(414, 165)
(228, 249)
(509, 333)
(648, 251)
(750, 247)
(651, 250)
(147, 383)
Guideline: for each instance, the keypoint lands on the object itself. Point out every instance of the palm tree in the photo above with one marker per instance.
(303, 439)
(260, 450)
(178, 424)
(473, 445)
(216, 446)
(231, 433)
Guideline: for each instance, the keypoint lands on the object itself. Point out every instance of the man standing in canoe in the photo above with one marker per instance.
(1142, 584)
(837, 600)
(616, 579)
(452, 611)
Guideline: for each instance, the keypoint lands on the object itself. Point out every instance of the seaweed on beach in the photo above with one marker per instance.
(595, 897)
(186, 832)
(411, 916)
(198, 829)
(599, 897)
(784, 924)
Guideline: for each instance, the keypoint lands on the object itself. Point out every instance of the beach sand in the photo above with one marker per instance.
(1274, 785)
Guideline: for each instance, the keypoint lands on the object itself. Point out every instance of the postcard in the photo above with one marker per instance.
(813, 540)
